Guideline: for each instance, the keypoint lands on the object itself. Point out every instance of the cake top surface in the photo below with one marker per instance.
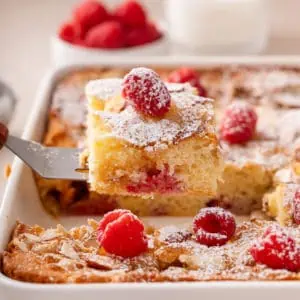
(104, 89)
(266, 81)
(265, 153)
(69, 103)
(189, 114)
(173, 255)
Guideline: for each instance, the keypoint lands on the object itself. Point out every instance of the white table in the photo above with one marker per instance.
(25, 28)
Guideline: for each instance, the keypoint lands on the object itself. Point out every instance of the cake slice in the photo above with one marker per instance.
(252, 154)
(248, 174)
(147, 138)
(283, 201)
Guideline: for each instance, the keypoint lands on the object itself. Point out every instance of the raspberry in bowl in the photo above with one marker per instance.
(95, 31)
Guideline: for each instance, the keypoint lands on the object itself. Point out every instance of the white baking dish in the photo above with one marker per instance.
(21, 202)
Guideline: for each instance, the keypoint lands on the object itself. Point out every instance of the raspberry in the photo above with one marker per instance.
(156, 181)
(108, 34)
(90, 13)
(239, 123)
(183, 75)
(153, 31)
(70, 32)
(131, 13)
(277, 250)
(214, 226)
(142, 35)
(121, 233)
(296, 207)
(108, 218)
(201, 90)
(144, 89)
(189, 75)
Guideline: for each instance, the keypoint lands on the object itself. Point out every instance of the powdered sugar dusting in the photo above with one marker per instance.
(69, 102)
(264, 153)
(180, 87)
(103, 89)
(265, 82)
(192, 114)
(287, 99)
(296, 206)
(288, 127)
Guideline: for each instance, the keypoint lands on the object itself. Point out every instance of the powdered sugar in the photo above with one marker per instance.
(265, 82)
(190, 114)
(265, 153)
(69, 103)
(296, 206)
(287, 99)
(103, 89)
(288, 127)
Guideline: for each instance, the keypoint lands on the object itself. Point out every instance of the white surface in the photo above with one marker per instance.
(26, 26)
(218, 27)
(21, 202)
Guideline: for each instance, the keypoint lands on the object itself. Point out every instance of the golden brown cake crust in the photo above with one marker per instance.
(60, 256)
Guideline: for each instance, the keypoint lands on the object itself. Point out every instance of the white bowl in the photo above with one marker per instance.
(64, 53)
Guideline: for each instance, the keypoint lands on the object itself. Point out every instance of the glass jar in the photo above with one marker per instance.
(217, 26)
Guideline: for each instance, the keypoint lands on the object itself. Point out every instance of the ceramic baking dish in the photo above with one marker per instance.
(21, 202)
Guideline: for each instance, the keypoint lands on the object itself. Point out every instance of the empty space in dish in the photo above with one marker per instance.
(21, 202)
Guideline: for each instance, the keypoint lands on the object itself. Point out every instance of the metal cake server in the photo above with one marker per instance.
(48, 162)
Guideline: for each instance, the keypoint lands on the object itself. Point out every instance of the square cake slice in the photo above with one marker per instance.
(148, 138)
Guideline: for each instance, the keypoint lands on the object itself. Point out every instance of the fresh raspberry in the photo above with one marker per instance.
(90, 13)
(277, 250)
(142, 35)
(201, 90)
(296, 207)
(80, 43)
(108, 218)
(156, 181)
(183, 75)
(214, 226)
(131, 13)
(144, 89)
(153, 31)
(70, 32)
(108, 34)
(239, 123)
(121, 233)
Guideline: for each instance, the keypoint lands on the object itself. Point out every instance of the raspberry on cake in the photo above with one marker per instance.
(239, 123)
(189, 75)
(121, 233)
(147, 138)
(214, 226)
(277, 249)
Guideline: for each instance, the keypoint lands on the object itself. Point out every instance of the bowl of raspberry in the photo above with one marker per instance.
(94, 31)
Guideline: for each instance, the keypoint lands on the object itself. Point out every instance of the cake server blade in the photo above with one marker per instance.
(48, 162)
